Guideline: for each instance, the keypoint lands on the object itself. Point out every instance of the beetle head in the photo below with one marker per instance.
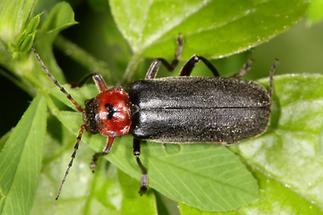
(109, 113)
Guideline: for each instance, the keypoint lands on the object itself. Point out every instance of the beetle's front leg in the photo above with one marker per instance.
(144, 175)
(105, 151)
(98, 80)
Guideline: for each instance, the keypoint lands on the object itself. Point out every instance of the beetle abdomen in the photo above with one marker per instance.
(196, 109)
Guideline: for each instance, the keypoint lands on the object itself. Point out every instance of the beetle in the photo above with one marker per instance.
(179, 110)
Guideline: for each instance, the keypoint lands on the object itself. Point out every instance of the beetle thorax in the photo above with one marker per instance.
(108, 113)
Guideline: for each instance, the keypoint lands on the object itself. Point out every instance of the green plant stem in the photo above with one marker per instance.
(81, 56)
(132, 67)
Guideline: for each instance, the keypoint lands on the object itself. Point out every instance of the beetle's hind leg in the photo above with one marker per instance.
(271, 76)
(244, 69)
(144, 175)
(154, 66)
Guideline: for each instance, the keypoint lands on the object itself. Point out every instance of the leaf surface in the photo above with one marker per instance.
(274, 199)
(151, 27)
(20, 161)
(291, 151)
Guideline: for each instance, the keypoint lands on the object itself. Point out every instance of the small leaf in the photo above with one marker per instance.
(27, 43)
(20, 161)
(26, 39)
(33, 24)
(210, 28)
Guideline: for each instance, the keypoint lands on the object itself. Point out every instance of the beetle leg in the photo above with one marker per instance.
(245, 68)
(97, 155)
(188, 67)
(153, 69)
(98, 80)
(82, 81)
(154, 66)
(271, 76)
(144, 175)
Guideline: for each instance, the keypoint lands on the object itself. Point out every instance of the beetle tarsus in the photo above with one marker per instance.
(244, 69)
(95, 159)
(144, 175)
(143, 184)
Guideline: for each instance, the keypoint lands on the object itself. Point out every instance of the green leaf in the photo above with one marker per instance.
(291, 151)
(20, 161)
(207, 177)
(59, 18)
(315, 11)
(151, 27)
(27, 43)
(274, 199)
(26, 39)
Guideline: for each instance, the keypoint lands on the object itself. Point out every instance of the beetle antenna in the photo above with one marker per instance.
(76, 146)
(55, 81)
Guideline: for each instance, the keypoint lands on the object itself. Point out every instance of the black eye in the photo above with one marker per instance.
(110, 109)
